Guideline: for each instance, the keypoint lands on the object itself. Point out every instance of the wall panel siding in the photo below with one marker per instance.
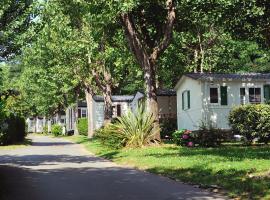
(191, 118)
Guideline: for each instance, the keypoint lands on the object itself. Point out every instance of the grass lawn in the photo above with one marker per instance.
(242, 171)
(15, 146)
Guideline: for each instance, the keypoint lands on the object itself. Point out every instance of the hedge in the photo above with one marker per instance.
(83, 126)
(251, 121)
(12, 129)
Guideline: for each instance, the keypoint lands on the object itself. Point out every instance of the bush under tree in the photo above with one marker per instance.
(251, 121)
(57, 130)
(12, 129)
(83, 126)
(134, 129)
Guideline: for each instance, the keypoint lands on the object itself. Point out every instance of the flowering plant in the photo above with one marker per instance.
(183, 137)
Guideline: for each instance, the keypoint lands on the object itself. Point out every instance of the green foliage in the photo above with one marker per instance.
(242, 171)
(204, 137)
(57, 130)
(83, 126)
(251, 121)
(137, 129)
(177, 136)
(210, 136)
(167, 127)
(131, 130)
(45, 130)
(12, 129)
(109, 137)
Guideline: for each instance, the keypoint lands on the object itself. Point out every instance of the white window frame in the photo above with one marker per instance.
(218, 91)
(244, 97)
(83, 110)
(185, 102)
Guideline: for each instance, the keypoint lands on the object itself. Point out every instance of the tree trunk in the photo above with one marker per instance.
(195, 60)
(147, 60)
(89, 101)
(151, 95)
(106, 87)
(58, 118)
(76, 117)
(107, 94)
(49, 125)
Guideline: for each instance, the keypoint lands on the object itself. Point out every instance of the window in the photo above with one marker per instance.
(254, 95)
(224, 95)
(186, 100)
(242, 96)
(118, 110)
(266, 89)
(84, 113)
(213, 95)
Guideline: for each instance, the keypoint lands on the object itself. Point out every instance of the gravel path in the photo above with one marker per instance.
(54, 169)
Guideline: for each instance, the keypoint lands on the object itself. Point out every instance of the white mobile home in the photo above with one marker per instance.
(121, 104)
(35, 124)
(70, 114)
(208, 98)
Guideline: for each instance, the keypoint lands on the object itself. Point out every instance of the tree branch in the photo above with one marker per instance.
(168, 31)
(97, 79)
(133, 40)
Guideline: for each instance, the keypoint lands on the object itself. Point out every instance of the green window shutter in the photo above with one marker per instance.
(224, 95)
(183, 103)
(266, 89)
(188, 95)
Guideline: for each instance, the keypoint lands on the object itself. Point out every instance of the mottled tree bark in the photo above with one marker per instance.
(106, 87)
(89, 100)
(147, 55)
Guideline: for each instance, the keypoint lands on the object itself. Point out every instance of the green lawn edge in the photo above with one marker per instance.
(25, 143)
(244, 172)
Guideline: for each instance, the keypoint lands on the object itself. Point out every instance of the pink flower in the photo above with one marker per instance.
(190, 144)
(185, 136)
(187, 132)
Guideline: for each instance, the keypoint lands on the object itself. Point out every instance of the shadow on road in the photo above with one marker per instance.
(92, 183)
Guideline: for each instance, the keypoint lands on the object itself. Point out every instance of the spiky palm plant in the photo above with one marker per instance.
(136, 128)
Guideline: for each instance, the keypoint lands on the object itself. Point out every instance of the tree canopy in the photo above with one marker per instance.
(58, 50)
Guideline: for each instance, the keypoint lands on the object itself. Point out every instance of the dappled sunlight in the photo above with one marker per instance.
(229, 167)
(47, 166)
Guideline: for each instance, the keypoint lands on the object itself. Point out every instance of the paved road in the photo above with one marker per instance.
(54, 169)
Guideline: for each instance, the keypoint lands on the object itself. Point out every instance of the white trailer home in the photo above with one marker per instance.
(35, 124)
(121, 104)
(71, 112)
(208, 97)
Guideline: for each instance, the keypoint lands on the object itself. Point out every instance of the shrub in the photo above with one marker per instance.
(83, 126)
(109, 137)
(204, 137)
(251, 121)
(167, 127)
(209, 136)
(12, 129)
(183, 137)
(45, 130)
(131, 130)
(57, 130)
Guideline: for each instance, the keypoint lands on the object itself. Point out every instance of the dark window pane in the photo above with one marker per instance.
(213, 95)
(224, 95)
(242, 91)
(118, 110)
(255, 95)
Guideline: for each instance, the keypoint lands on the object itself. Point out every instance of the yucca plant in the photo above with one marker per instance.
(136, 129)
